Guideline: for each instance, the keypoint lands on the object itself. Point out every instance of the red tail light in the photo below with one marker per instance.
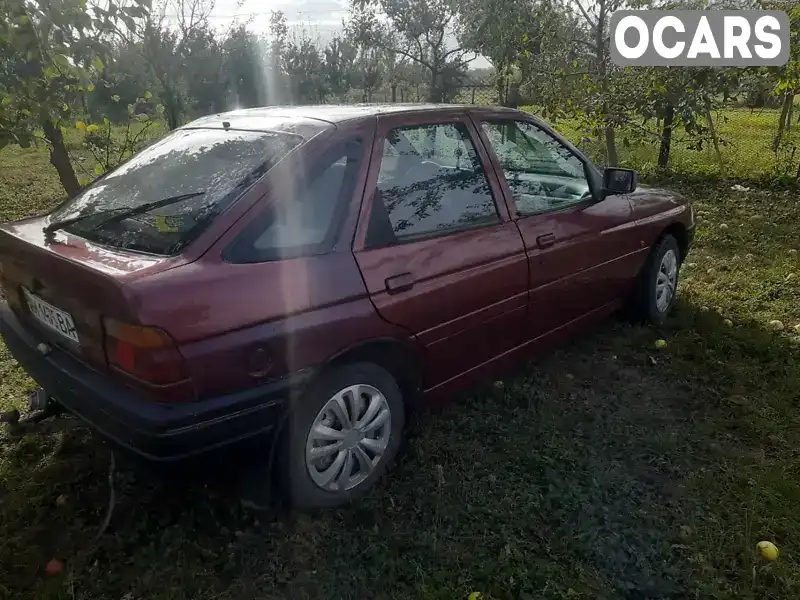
(149, 355)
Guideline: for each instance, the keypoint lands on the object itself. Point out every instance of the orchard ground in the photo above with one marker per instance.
(606, 468)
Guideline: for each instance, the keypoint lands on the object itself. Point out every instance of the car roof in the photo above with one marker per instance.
(305, 119)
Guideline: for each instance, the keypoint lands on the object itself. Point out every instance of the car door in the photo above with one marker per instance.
(435, 244)
(580, 258)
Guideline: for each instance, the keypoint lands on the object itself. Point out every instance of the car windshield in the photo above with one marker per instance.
(219, 163)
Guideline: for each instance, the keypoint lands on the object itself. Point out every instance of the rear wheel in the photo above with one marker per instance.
(341, 436)
(658, 281)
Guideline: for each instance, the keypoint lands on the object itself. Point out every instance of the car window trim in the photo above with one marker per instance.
(426, 120)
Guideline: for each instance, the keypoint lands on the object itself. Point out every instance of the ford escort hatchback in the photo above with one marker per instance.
(311, 274)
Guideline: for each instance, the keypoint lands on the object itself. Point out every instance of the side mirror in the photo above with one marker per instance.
(619, 181)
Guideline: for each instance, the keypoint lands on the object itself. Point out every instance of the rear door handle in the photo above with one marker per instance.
(546, 240)
(399, 283)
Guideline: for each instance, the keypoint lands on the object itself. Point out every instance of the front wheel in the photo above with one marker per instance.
(342, 435)
(658, 282)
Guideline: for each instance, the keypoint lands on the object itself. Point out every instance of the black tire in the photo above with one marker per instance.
(643, 305)
(296, 484)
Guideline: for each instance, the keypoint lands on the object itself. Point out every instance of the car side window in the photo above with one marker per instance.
(430, 182)
(302, 224)
(542, 173)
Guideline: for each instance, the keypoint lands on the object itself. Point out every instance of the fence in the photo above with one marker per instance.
(478, 94)
(741, 147)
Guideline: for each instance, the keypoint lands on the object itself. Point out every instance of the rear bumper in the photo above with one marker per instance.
(153, 431)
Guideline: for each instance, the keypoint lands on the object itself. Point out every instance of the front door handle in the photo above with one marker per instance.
(399, 283)
(546, 240)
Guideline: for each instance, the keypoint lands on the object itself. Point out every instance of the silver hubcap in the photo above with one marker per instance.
(665, 282)
(348, 438)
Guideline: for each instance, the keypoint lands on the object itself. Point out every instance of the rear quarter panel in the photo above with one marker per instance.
(240, 325)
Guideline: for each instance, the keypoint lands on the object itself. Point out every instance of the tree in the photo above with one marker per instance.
(511, 34)
(304, 68)
(339, 68)
(395, 69)
(418, 30)
(50, 53)
(788, 76)
(371, 69)
(596, 16)
(126, 75)
(159, 47)
(678, 97)
(202, 57)
(168, 50)
(243, 76)
(110, 148)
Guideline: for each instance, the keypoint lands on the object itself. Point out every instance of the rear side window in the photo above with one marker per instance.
(431, 182)
(306, 222)
(214, 166)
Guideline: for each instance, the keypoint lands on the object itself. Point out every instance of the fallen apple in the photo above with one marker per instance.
(54, 567)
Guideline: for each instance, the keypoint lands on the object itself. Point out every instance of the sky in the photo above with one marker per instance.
(320, 19)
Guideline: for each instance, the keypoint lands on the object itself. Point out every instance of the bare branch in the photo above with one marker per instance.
(592, 22)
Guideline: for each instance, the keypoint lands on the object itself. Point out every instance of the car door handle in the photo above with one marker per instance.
(399, 283)
(546, 240)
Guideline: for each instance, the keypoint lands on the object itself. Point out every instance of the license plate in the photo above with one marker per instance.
(52, 317)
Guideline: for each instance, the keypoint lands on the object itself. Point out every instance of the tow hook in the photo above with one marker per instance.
(38, 400)
(41, 407)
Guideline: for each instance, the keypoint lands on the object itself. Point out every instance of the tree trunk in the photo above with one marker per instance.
(394, 92)
(600, 42)
(513, 95)
(789, 116)
(59, 158)
(171, 112)
(611, 146)
(714, 137)
(787, 102)
(434, 94)
(666, 137)
(500, 82)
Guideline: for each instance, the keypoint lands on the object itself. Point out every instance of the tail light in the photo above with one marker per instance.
(150, 356)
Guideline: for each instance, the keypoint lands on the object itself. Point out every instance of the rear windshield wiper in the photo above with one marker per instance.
(126, 213)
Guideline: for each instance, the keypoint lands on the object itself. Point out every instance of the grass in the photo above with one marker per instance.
(603, 469)
(745, 145)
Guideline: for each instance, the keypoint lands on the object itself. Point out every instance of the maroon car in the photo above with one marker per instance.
(316, 272)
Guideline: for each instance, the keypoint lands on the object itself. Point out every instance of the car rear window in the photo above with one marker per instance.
(216, 164)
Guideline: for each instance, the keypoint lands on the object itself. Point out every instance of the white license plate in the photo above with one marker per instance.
(52, 317)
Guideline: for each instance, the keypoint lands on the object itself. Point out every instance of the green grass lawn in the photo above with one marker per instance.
(604, 469)
(745, 145)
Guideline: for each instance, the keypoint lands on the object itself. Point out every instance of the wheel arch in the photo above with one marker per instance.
(677, 230)
(400, 357)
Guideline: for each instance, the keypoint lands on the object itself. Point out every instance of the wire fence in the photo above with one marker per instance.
(478, 94)
(740, 144)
